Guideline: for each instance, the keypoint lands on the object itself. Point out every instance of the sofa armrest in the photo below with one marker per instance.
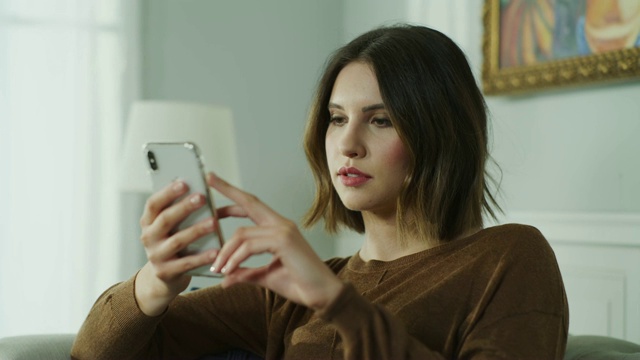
(592, 347)
(36, 347)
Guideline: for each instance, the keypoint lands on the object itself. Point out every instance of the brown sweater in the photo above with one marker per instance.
(497, 294)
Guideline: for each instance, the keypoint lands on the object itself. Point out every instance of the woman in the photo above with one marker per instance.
(397, 141)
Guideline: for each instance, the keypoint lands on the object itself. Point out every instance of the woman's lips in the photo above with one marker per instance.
(350, 176)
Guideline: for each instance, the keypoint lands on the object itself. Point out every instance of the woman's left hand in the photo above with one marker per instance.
(295, 271)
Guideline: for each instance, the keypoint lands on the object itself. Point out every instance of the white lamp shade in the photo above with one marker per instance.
(208, 126)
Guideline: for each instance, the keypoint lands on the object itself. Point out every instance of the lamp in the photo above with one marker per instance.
(209, 126)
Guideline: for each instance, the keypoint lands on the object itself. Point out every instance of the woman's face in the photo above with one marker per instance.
(367, 160)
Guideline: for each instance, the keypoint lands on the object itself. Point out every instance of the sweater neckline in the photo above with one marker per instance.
(356, 263)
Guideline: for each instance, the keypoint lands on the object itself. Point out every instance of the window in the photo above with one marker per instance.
(62, 99)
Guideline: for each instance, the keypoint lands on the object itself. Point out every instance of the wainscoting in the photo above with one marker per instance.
(599, 257)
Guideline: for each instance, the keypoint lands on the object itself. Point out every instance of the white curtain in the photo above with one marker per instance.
(67, 75)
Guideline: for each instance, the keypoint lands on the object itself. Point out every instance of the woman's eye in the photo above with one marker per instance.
(338, 120)
(381, 122)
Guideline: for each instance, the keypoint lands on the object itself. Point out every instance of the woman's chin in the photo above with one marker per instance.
(354, 204)
(352, 207)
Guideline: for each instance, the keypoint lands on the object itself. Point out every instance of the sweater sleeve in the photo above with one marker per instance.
(202, 322)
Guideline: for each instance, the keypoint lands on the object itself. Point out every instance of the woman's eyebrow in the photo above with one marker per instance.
(373, 107)
(335, 106)
(364, 109)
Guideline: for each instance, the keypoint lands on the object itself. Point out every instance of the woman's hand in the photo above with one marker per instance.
(163, 277)
(295, 271)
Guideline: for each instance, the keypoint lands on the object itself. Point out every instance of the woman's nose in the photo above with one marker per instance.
(351, 143)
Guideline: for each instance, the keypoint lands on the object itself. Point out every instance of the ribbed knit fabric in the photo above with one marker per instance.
(497, 294)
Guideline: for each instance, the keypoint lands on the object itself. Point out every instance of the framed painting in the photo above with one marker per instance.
(531, 45)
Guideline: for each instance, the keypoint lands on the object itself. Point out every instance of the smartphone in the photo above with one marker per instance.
(168, 162)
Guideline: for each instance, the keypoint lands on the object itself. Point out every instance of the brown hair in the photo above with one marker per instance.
(439, 114)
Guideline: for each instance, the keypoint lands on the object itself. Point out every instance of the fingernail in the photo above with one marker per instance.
(224, 269)
(215, 266)
(178, 186)
(195, 200)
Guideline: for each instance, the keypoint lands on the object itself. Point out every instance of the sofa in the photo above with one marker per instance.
(58, 346)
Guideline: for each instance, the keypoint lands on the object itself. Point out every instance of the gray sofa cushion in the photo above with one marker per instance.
(588, 347)
(36, 347)
(58, 346)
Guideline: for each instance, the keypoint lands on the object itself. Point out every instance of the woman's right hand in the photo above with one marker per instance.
(164, 275)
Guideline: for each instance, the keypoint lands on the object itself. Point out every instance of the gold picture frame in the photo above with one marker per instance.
(614, 65)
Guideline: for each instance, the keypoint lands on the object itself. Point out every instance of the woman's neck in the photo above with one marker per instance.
(381, 240)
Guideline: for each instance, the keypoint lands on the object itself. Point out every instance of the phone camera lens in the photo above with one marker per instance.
(152, 160)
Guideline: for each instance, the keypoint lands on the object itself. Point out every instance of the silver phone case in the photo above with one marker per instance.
(182, 160)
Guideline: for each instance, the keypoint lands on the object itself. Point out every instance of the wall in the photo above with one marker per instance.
(571, 150)
(261, 58)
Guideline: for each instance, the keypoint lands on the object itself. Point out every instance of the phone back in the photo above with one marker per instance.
(168, 162)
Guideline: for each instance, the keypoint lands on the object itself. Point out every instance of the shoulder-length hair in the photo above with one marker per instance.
(439, 114)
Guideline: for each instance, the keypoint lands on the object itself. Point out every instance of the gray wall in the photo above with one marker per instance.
(261, 58)
(573, 151)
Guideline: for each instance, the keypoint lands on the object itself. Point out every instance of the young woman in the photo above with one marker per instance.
(397, 141)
